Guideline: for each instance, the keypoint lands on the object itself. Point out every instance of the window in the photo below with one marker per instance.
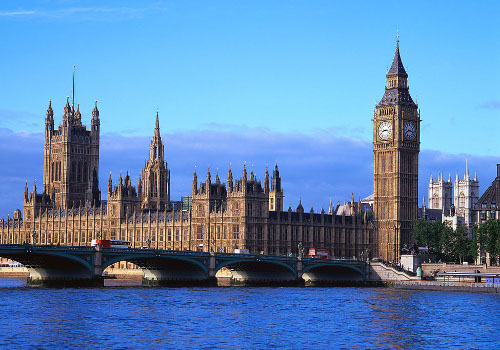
(199, 232)
(177, 234)
(236, 232)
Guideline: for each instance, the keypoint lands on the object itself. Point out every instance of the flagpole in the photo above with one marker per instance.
(73, 85)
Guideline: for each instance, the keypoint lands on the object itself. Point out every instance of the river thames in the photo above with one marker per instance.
(135, 317)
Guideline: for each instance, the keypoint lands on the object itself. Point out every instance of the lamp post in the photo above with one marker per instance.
(148, 242)
(99, 234)
(300, 249)
(35, 236)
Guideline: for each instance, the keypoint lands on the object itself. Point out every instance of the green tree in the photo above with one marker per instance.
(488, 236)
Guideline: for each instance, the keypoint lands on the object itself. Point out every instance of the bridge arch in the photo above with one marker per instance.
(47, 265)
(258, 271)
(332, 273)
(160, 269)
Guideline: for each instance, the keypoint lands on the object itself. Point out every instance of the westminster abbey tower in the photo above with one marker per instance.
(396, 145)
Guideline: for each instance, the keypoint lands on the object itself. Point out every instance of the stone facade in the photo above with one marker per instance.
(396, 146)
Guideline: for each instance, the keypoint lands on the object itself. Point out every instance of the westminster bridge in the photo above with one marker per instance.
(84, 266)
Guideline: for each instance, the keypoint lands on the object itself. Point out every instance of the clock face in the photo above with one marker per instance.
(409, 130)
(384, 130)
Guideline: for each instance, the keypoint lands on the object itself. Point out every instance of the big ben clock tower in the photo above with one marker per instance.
(396, 144)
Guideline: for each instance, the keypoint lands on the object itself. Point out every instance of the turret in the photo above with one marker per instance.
(217, 179)
(67, 117)
(266, 181)
(49, 120)
(195, 183)
(95, 123)
(26, 191)
(209, 179)
(229, 180)
(110, 184)
(77, 116)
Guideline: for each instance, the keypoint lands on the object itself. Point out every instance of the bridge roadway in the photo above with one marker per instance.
(84, 266)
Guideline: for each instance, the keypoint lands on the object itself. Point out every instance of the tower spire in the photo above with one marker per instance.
(157, 124)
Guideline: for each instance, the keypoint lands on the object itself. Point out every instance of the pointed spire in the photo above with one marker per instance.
(26, 191)
(95, 112)
(244, 174)
(266, 180)
(423, 201)
(110, 183)
(431, 180)
(217, 179)
(449, 176)
(397, 67)
(157, 125)
(50, 112)
(230, 180)
(456, 178)
(330, 208)
(208, 176)
(475, 175)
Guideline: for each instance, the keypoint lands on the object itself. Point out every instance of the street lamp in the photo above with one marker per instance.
(99, 235)
(300, 249)
(148, 242)
(35, 236)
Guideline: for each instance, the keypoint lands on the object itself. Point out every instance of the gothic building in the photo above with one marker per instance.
(238, 213)
(396, 146)
(454, 201)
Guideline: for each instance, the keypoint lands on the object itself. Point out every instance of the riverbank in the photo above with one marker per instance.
(7, 271)
(446, 286)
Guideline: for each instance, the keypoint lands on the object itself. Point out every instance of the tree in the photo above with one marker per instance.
(488, 236)
(442, 240)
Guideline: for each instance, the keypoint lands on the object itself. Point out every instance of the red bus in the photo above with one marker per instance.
(316, 253)
(110, 243)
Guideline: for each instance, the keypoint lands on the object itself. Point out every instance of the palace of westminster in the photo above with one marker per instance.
(240, 212)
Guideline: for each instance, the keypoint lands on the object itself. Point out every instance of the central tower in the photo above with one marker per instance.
(396, 145)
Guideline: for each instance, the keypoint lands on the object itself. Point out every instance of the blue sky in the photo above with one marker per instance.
(288, 81)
